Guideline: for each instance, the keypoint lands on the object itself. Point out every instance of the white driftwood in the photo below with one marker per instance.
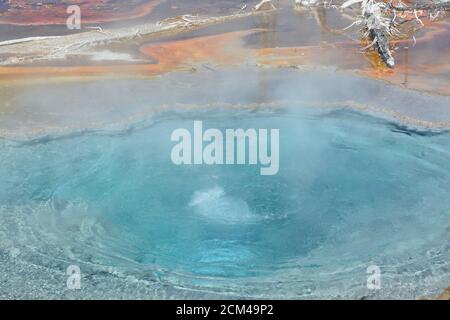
(22, 40)
(33, 49)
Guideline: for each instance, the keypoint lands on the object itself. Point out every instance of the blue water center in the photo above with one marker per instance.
(352, 191)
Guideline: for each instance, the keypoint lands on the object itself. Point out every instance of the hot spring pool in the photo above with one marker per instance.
(352, 191)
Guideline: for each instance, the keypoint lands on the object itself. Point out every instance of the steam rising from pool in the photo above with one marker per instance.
(352, 191)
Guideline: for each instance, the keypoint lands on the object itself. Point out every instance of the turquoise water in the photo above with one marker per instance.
(352, 191)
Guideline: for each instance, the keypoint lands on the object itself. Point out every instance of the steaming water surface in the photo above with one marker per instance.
(352, 191)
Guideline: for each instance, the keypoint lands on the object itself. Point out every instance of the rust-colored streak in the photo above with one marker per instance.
(21, 12)
(75, 71)
(222, 49)
(424, 66)
(324, 55)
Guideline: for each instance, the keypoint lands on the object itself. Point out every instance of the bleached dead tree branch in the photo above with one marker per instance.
(378, 20)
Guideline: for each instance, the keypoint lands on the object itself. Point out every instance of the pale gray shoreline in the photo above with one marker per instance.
(41, 110)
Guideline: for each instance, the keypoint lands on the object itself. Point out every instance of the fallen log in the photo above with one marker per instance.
(381, 44)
